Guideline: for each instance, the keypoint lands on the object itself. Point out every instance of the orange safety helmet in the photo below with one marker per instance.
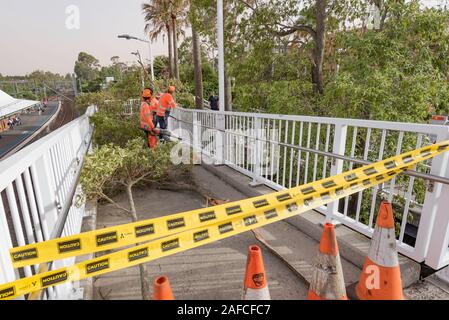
(172, 89)
(147, 94)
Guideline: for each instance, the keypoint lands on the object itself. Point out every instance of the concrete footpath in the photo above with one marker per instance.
(296, 247)
(214, 271)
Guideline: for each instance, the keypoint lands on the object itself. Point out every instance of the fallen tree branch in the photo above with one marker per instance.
(104, 196)
(185, 187)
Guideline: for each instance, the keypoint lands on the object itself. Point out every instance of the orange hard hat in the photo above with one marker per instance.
(172, 89)
(146, 94)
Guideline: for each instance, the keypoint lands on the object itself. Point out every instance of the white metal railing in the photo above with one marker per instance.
(38, 191)
(285, 151)
(132, 106)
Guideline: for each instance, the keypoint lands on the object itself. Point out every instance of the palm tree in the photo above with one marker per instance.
(197, 64)
(178, 15)
(159, 20)
(198, 70)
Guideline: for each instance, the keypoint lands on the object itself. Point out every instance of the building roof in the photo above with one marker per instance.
(10, 105)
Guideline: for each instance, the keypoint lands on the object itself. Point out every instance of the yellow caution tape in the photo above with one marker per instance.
(147, 230)
(236, 221)
(174, 244)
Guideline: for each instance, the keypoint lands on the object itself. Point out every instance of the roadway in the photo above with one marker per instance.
(31, 123)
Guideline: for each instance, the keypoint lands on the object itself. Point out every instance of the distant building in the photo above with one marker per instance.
(107, 82)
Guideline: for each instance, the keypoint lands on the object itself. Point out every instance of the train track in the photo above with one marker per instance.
(67, 114)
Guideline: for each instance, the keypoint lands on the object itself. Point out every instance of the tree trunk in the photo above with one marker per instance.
(170, 51)
(175, 50)
(320, 42)
(132, 206)
(144, 281)
(228, 91)
(198, 72)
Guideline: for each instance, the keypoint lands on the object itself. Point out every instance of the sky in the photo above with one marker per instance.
(34, 33)
(40, 35)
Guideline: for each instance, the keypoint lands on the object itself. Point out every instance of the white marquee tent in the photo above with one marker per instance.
(10, 105)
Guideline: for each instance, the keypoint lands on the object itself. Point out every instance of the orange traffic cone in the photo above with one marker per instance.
(162, 289)
(327, 280)
(381, 276)
(255, 285)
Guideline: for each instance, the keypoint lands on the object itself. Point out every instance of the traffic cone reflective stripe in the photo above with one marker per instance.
(381, 276)
(327, 280)
(255, 285)
(162, 289)
(383, 247)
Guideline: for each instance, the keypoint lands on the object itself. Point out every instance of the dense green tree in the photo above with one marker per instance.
(209, 77)
(86, 67)
(398, 73)
(161, 67)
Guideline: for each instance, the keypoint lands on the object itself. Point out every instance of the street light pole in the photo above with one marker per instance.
(151, 61)
(128, 37)
(221, 65)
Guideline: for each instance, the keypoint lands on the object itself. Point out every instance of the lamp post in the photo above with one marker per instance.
(128, 37)
(221, 65)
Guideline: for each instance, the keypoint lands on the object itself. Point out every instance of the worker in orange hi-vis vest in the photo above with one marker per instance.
(154, 105)
(166, 105)
(146, 118)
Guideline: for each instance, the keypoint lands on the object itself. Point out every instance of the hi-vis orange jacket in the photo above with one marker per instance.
(146, 117)
(154, 104)
(166, 102)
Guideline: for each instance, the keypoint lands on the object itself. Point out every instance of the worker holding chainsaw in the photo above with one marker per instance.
(148, 106)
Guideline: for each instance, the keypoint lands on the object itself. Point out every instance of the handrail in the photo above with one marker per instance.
(411, 173)
(281, 151)
(61, 223)
(48, 170)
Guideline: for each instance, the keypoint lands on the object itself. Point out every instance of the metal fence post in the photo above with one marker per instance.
(179, 120)
(338, 147)
(170, 120)
(257, 131)
(6, 270)
(220, 136)
(196, 138)
(432, 240)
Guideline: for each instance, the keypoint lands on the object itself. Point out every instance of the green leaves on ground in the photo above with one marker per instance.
(110, 167)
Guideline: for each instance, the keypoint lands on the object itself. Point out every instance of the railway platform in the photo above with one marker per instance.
(32, 123)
